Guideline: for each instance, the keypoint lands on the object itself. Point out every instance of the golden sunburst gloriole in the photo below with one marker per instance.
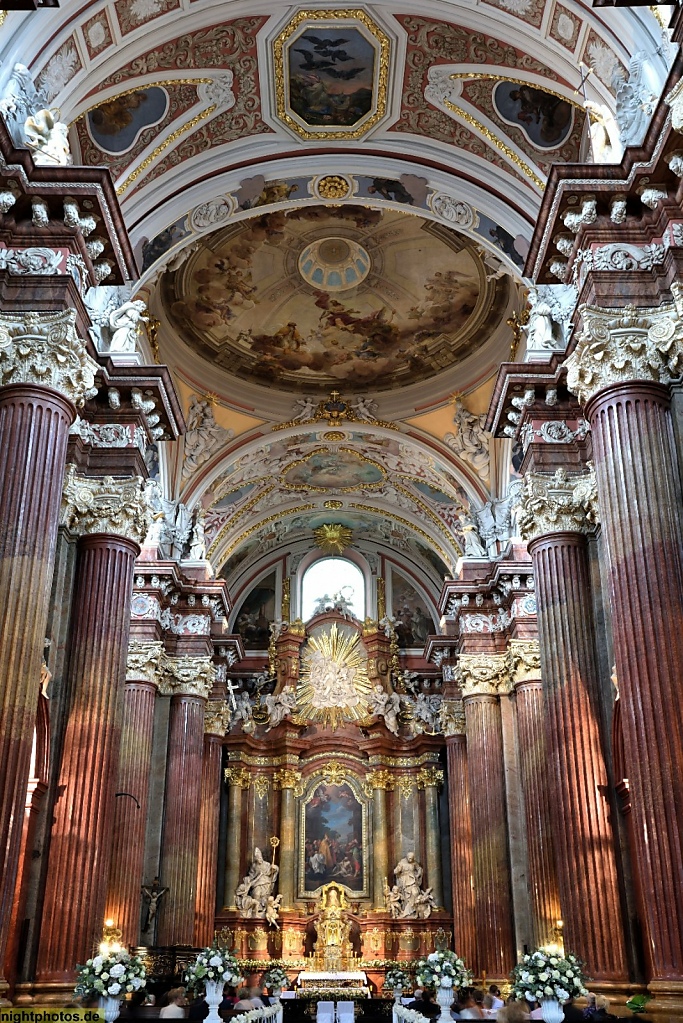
(332, 537)
(334, 684)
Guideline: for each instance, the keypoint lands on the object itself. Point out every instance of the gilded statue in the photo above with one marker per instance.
(333, 946)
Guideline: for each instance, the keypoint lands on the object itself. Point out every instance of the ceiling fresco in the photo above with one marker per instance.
(243, 302)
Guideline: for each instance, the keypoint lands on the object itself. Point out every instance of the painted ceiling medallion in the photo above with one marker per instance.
(334, 684)
(334, 264)
(332, 537)
(331, 73)
(323, 470)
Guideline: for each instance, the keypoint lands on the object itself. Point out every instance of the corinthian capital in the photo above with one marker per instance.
(105, 504)
(144, 661)
(484, 674)
(187, 676)
(557, 503)
(616, 345)
(44, 349)
(380, 779)
(217, 718)
(525, 660)
(287, 778)
(429, 777)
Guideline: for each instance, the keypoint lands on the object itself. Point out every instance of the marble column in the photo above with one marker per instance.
(379, 781)
(429, 779)
(45, 372)
(188, 682)
(525, 664)
(556, 512)
(111, 516)
(238, 778)
(481, 677)
(216, 724)
(620, 370)
(462, 872)
(130, 814)
(288, 780)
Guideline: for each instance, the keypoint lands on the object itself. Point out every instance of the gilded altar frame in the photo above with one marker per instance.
(333, 774)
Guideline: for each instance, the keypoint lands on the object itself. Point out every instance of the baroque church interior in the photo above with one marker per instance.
(341, 527)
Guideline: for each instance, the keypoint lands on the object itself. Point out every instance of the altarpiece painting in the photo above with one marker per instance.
(333, 838)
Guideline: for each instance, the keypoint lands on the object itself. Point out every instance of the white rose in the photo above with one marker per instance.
(548, 991)
(569, 973)
(137, 983)
(97, 962)
(114, 988)
(105, 976)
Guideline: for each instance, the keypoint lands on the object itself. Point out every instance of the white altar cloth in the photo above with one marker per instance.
(314, 976)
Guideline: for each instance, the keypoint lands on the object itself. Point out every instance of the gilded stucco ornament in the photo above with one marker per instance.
(216, 718)
(616, 345)
(452, 717)
(525, 660)
(557, 503)
(144, 662)
(105, 504)
(44, 349)
(484, 674)
(187, 676)
(674, 99)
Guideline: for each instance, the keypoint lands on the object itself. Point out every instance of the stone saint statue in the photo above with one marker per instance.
(407, 900)
(124, 323)
(385, 705)
(251, 895)
(48, 138)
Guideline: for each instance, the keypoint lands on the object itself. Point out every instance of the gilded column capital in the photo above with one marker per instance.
(558, 503)
(617, 345)
(187, 676)
(429, 777)
(287, 778)
(379, 779)
(105, 504)
(45, 349)
(452, 717)
(217, 718)
(238, 777)
(484, 674)
(144, 662)
(525, 660)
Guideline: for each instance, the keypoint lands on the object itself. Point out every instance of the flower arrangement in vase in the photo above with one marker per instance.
(111, 976)
(213, 968)
(443, 971)
(275, 978)
(397, 980)
(551, 978)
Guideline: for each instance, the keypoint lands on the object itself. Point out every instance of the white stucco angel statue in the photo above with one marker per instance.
(385, 705)
(124, 323)
(243, 712)
(280, 706)
(48, 138)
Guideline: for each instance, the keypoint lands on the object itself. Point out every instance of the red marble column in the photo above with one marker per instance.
(639, 491)
(81, 841)
(205, 906)
(180, 839)
(582, 827)
(34, 427)
(130, 819)
(492, 883)
(462, 871)
(533, 755)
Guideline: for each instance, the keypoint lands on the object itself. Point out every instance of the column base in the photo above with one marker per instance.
(56, 992)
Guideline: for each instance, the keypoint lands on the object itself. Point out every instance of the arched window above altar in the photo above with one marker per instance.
(331, 582)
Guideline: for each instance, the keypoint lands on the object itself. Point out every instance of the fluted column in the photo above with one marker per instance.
(104, 511)
(288, 780)
(188, 681)
(45, 372)
(556, 512)
(482, 675)
(462, 877)
(130, 814)
(620, 370)
(545, 897)
(379, 781)
(216, 723)
(238, 778)
(429, 779)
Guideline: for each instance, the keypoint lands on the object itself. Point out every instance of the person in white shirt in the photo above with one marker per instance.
(175, 1009)
(496, 1001)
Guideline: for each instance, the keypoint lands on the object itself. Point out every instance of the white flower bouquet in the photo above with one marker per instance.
(397, 978)
(275, 977)
(110, 976)
(215, 964)
(445, 969)
(546, 974)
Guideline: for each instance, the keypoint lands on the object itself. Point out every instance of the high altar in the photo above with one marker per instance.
(356, 877)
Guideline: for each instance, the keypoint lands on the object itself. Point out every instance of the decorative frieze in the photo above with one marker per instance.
(617, 345)
(557, 503)
(145, 661)
(187, 676)
(45, 349)
(105, 505)
(484, 674)
(525, 660)
(217, 718)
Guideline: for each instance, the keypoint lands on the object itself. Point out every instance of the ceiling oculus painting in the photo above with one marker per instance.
(331, 70)
(398, 299)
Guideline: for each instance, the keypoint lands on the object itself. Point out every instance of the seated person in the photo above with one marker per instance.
(243, 1003)
(425, 1004)
(175, 1004)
